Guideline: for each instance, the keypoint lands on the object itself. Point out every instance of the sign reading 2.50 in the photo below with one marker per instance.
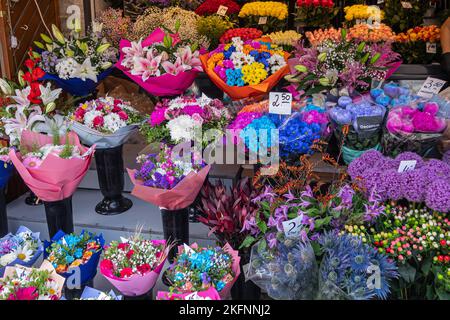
(280, 103)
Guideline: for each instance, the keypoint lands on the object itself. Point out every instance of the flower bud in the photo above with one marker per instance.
(324, 82)
(103, 48)
(321, 57)
(58, 34)
(301, 68)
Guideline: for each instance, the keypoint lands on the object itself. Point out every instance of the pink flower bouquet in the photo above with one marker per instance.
(133, 265)
(52, 170)
(210, 294)
(161, 64)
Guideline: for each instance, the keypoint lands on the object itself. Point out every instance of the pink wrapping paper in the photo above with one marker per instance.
(210, 293)
(56, 179)
(236, 267)
(165, 85)
(180, 197)
(136, 285)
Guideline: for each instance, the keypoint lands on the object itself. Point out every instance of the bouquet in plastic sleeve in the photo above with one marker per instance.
(73, 254)
(22, 283)
(175, 121)
(28, 105)
(76, 64)
(419, 45)
(105, 122)
(162, 64)
(51, 166)
(287, 271)
(210, 7)
(94, 294)
(315, 13)
(413, 128)
(353, 270)
(6, 167)
(198, 269)
(267, 15)
(168, 180)
(285, 39)
(22, 248)
(362, 13)
(245, 69)
(133, 265)
(209, 294)
(364, 120)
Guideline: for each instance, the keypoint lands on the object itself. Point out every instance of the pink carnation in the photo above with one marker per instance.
(123, 115)
(158, 116)
(98, 121)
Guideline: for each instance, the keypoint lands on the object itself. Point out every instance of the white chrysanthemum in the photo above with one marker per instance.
(7, 259)
(241, 59)
(276, 62)
(113, 122)
(90, 116)
(67, 68)
(181, 128)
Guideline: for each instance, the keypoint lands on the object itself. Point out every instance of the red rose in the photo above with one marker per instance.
(107, 264)
(144, 268)
(98, 121)
(116, 109)
(123, 246)
(441, 258)
(117, 102)
(123, 115)
(130, 254)
(126, 272)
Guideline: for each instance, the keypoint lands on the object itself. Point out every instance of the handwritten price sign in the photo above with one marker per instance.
(280, 103)
(430, 87)
(293, 227)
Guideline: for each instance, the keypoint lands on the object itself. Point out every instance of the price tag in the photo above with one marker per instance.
(293, 227)
(406, 5)
(262, 20)
(380, 1)
(222, 10)
(431, 47)
(280, 103)
(14, 42)
(430, 87)
(407, 165)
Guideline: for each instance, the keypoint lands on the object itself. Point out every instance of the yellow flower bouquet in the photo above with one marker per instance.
(268, 15)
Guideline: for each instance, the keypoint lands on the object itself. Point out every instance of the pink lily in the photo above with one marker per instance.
(136, 50)
(173, 68)
(147, 67)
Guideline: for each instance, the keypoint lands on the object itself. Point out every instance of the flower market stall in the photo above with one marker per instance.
(225, 150)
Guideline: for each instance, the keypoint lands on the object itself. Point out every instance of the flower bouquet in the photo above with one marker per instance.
(349, 64)
(162, 64)
(172, 183)
(246, 69)
(243, 33)
(413, 45)
(363, 14)
(133, 265)
(364, 120)
(75, 254)
(427, 182)
(209, 294)
(76, 64)
(53, 167)
(353, 270)
(287, 271)
(198, 269)
(22, 248)
(268, 15)
(21, 283)
(410, 129)
(210, 7)
(94, 294)
(175, 121)
(315, 13)
(285, 39)
(107, 123)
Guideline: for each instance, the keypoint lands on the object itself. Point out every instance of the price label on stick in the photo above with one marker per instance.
(222, 10)
(431, 47)
(430, 87)
(293, 227)
(262, 20)
(280, 103)
(406, 5)
(407, 165)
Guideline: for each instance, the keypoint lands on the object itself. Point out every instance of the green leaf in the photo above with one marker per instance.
(248, 241)
(262, 226)
(407, 272)
(443, 294)
(426, 265)
(262, 245)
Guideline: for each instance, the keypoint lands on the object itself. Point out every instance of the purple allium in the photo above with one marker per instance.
(438, 195)
(392, 185)
(437, 169)
(446, 157)
(407, 156)
(367, 160)
(414, 184)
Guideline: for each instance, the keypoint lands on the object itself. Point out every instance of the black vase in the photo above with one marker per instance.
(32, 200)
(59, 216)
(245, 290)
(146, 296)
(175, 228)
(110, 178)
(3, 215)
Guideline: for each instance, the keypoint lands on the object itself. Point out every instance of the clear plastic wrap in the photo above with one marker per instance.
(287, 272)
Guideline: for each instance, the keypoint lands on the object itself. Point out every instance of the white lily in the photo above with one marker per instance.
(86, 71)
(15, 126)
(21, 98)
(48, 95)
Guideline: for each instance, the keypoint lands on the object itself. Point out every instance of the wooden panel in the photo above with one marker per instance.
(26, 25)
